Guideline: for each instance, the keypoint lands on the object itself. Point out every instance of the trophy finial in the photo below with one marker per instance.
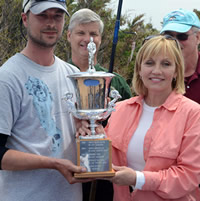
(92, 50)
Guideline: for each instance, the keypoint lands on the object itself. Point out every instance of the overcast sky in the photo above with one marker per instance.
(154, 10)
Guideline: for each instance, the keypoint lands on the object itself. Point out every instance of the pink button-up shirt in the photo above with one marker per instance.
(171, 149)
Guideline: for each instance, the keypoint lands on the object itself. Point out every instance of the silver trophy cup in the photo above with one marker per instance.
(93, 151)
(91, 94)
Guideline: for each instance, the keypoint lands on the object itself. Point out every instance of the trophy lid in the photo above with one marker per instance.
(100, 74)
(91, 72)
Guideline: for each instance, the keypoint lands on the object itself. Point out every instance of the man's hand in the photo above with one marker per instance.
(67, 169)
(83, 128)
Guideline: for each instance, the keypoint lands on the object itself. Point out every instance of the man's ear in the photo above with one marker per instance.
(198, 36)
(24, 19)
(69, 36)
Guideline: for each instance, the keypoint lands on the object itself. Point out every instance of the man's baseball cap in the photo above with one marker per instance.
(38, 6)
(180, 20)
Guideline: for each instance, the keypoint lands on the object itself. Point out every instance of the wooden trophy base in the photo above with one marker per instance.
(95, 174)
(96, 156)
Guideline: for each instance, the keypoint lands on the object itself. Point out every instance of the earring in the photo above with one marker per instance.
(174, 82)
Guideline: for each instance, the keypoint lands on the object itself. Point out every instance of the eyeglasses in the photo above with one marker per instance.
(166, 36)
(180, 36)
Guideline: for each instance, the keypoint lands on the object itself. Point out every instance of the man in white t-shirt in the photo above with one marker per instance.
(37, 142)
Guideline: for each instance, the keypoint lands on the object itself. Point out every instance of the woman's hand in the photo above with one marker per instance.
(124, 176)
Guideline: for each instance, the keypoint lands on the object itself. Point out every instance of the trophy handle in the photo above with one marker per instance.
(71, 105)
(115, 95)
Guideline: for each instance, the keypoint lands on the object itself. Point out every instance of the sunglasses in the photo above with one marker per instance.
(180, 36)
(166, 36)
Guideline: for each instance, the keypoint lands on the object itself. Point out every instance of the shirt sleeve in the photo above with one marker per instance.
(11, 107)
(140, 180)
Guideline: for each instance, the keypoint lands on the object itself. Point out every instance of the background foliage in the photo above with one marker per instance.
(11, 40)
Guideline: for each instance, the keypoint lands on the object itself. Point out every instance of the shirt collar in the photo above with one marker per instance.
(172, 101)
(170, 104)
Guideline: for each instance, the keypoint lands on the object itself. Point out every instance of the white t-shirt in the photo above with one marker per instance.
(37, 121)
(135, 155)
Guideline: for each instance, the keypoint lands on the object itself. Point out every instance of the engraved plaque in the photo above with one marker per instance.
(95, 155)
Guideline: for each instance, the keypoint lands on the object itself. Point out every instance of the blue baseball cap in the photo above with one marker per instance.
(180, 21)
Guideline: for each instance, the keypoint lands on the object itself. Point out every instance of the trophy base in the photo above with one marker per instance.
(94, 174)
(96, 156)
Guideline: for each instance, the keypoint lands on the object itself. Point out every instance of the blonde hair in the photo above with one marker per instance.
(153, 47)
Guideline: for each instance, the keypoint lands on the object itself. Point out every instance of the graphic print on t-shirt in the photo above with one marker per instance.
(42, 101)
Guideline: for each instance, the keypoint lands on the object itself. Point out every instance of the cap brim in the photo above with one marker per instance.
(42, 6)
(181, 28)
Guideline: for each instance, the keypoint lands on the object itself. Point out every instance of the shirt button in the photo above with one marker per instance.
(188, 87)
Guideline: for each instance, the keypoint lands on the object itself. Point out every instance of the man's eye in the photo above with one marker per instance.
(58, 16)
(94, 34)
(80, 33)
(42, 15)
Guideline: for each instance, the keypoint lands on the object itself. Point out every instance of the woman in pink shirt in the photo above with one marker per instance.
(156, 135)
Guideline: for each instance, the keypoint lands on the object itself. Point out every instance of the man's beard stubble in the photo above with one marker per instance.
(41, 42)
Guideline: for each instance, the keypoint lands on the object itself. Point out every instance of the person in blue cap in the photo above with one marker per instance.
(184, 25)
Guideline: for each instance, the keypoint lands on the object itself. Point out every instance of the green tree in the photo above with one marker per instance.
(11, 40)
(130, 40)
